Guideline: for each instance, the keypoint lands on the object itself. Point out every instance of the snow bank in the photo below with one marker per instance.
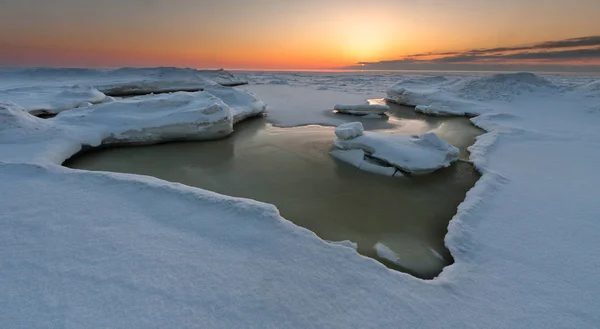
(411, 154)
(155, 118)
(463, 95)
(362, 109)
(52, 100)
(505, 86)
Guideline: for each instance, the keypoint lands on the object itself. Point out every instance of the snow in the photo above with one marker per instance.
(93, 249)
(412, 154)
(362, 109)
(52, 100)
(349, 130)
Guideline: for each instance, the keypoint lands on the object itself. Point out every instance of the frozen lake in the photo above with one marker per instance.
(291, 168)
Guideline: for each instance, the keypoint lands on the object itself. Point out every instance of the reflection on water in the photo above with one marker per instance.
(291, 168)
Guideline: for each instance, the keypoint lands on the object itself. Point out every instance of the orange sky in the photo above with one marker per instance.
(271, 34)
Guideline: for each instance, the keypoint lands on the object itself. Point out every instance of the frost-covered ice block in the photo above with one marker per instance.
(362, 109)
(52, 100)
(155, 118)
(349, 130)
(410, 154)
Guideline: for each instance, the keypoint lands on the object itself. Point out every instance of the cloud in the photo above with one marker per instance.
(565, 51)
(575, 54)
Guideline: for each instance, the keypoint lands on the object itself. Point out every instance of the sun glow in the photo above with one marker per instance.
(365, 38)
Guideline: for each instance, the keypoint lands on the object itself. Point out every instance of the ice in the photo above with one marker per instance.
(52, 100)
(401, 251)
(349, 130)
(363, 109)
(346, 243)
(155, 118)
(294, 106)
(82, 249)
(385, 252)
(411, 154)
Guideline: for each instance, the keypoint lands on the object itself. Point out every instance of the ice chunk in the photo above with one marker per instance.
(412, 154)
(346, 243)
(155, 118)
(349, 130)
(363, 109)
(386, 253)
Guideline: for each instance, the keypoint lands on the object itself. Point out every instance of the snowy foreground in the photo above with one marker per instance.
(93, 249)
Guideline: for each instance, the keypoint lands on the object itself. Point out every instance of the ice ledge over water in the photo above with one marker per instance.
(389, 154)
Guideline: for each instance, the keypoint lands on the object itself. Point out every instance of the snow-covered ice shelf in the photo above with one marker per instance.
(524, 240)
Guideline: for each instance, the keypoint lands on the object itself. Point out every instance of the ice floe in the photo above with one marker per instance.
(155, 118)
(409, 154)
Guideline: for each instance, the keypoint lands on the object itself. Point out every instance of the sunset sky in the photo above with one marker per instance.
(298, 34)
